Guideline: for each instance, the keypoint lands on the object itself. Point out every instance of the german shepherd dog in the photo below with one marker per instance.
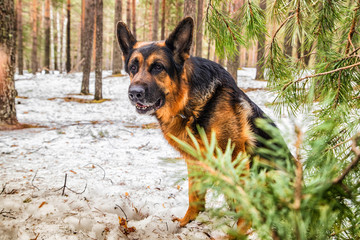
(182, 92)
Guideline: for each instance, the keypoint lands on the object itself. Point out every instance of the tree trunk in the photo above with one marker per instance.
(128, 14)
(163, 9)
(298, 47)
(145, 19)
(47, 36)
(34, 22)
(190, 8)
(89, 32)
(116, 60)
(99, 50)
(307, 52)
(134, 18)
(39, 34)
(150, 19)
(288, 46)
(208, 50)
(55, 36)
(189, 11)
(82, 32)
(261, 50)
(7, 64)
(94, 40)
(178, 10)
(20, 53)
(68, 31)
(199, 28)
(155, 21)
(62, 27)
(234, 62)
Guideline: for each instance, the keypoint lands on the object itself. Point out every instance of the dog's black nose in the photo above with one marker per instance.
(136, 93)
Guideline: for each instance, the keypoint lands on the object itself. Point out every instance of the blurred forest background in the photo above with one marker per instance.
(52, 33)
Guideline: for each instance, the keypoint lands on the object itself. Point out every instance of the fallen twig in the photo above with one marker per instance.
(4, 214)
(116, 205)
(3, 190)
(63, 188)
(63, 192)
(32, 181)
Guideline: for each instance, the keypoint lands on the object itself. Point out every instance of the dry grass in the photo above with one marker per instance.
(253, 89)
(80, 100)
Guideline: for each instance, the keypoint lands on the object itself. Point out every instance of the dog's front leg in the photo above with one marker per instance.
(196, 198)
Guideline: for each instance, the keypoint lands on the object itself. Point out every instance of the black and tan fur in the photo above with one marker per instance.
(184, 91)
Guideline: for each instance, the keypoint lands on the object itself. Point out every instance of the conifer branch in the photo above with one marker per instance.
(353, 52)
(224, 178)
(354, 162)
(281, 26)
(274, 36)
(320, 74)
(250, 8)
(224, 20)
(338, 144)
(352, 29)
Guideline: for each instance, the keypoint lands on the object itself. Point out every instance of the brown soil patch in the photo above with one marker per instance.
(253, 89)
(145, 126)
(115, 75)
(80, 100)
(18, 126)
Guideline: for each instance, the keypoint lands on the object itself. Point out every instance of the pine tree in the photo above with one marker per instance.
(190, 11)
(55, 34)
(82, 32)
(234, 61)
(89, 33)
(128, 13)
(163, 14)
(315, 194)
(99, 50)
(7, 64)
(133, 18)
(68, 37)
(117, 61)
(155, 21)
(199, 29)
(20, 52)
(34, 27)
(47, 36)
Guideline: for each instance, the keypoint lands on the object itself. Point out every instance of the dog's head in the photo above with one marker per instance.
(154, 67)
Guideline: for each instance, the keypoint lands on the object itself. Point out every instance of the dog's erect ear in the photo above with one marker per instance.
(125, 38)
(180, 39)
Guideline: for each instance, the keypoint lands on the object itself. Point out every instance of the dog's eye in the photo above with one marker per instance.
(157, 68)
(133, 68)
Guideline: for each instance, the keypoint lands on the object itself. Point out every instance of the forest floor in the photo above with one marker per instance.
(115, 162)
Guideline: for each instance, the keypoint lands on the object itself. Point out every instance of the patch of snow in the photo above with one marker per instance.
(113, 166)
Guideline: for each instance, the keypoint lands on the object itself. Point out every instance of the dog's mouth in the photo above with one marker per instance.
(149, 108)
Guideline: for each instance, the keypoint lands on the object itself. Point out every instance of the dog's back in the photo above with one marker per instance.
(219, 105)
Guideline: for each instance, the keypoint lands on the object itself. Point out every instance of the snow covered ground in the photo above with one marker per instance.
(116, 163)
